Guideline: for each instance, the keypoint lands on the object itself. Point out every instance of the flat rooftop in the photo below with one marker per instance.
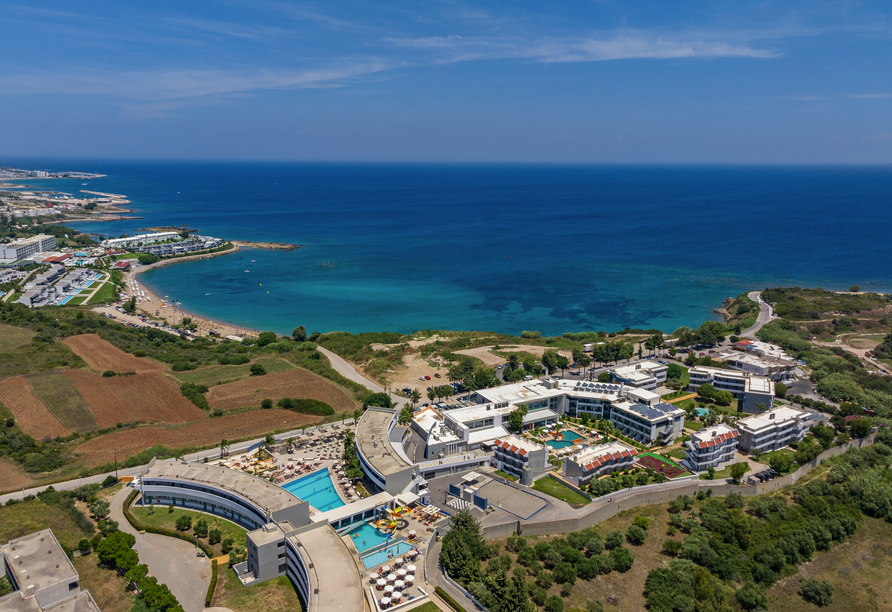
(716, 431)
(519, 393)
(374, 443)
(718, 372)
(646, 366)
(261, 492)
(517, 443)
(651, 413)
(37, 559)
(764, 420)
(334, 572)
(82, 603)
(475, 413)
(591, 454)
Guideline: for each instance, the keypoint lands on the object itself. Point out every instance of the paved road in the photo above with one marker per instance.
(765, 315)
(342, 367)
(170, 560)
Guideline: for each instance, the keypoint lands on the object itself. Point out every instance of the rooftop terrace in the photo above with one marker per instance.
(374, 443)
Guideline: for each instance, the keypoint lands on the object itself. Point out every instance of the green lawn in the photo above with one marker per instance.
(276, 595)
(126, 256)
(557, 489)
(13, 337)
(507, 475)
(106, 293)
(724, 473)
(214, 375)
(162, 517)
(766, 457)
(427, 607)
(62, 399)
(76, 300)
(677, 453)
(694, 425)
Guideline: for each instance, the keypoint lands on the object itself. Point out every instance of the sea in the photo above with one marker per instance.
(505, 248)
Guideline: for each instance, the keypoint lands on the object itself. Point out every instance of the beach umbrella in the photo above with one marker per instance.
(401, 573)
(410, 579)
(385, 569)
(398, 585)
(381, 583)
(391, 577)
(384, 601)
(410, 569)
(388, 589)
(374, 576)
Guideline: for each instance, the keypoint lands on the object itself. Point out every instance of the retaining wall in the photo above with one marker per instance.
(607, 506)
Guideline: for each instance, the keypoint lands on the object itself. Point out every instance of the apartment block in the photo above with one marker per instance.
(711, 446)
(774, 429)
(596, 461)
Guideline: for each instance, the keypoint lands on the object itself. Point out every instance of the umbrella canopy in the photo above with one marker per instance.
(381, 582)
(411, 532)
(374, 575)
(384, 601)
(391, 577)
(389, 588)
(385, 569)
(401, 573)
(410, 569)
(410, 579)
(398, 585)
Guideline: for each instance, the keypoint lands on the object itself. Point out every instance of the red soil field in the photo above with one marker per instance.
(102, 355)
(29, 412)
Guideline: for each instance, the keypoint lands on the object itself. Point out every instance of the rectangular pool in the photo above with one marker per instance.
(316, 489)
(366, 537)
(380, 557)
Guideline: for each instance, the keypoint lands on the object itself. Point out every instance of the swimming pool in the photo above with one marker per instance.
(384, 555)
(366, 537)
(65, 301)
(568, 438)
(702, 411)
(316, 489)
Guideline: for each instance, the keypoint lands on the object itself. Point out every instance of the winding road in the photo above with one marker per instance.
(765, 315)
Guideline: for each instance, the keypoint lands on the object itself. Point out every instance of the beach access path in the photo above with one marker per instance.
(342, 367)
(765, 315)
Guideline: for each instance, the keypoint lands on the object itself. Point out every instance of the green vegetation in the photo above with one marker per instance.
(726, 472)
(276, 595)
(63, 400)
(555, 488)
(306, 406)
(507, 475)
(161, 518)
(453, 605)
(14, 337)
(107, 293)
(800, 304)
(215, 375)
(37, 513)
(427, 607)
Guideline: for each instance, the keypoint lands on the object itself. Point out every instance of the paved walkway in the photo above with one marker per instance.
(342, 367)
(170, 560)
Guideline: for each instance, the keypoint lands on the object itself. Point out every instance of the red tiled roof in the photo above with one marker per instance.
(513, 449)
(522, 452)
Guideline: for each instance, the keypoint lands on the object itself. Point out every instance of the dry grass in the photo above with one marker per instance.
(61, 398)
(31, 415)
(106, 587)
(203, 433)
(127, 399)
(11, 479)
(290, 383)
(27, 517)
(277, 595)
(102, 355)
(13, 337)
(859, 570)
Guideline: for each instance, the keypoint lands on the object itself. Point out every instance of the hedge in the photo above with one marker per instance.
(448, 599)
(160, 530)
(212, 585)
(306, 406)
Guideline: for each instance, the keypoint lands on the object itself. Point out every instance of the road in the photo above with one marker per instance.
(342, 367)
(765, 315)
(170, 560)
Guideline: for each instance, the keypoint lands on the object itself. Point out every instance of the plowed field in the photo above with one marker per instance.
(291, 383)
(125, 399)
(29, 412)
(11, 479)
(204, 433)
(102, 355)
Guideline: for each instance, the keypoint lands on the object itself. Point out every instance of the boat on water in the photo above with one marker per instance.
(84, 183)
(252, 261)
(247, 270)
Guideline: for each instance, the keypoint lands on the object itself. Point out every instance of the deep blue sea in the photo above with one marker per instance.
(500, 247)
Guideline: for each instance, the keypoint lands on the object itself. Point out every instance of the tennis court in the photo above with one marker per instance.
(514, 501)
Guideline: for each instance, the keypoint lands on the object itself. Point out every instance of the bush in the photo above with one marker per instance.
(109, 373)
(257, 369)
(554, 603)
(530, 335)
(636, 535)
(214, 536)
(84, 546)
(614, 539)
(622, 559)
(641, 521)
(266, 404)
(306, 406)
(201, 528)
(448, 599)
(195, 394)
(109, 481)
(672, 547)
(183, 523)
(212, 585)
(818, 592)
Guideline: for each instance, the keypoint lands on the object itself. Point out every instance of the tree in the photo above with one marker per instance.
(751, 597)
(266, 338)
(780, 390)
(706, 391)
(379, 400)
(266, 404)
(710, 473)
(227, 544)
(406, 415)
(636, 535)
(224, 447)
(854, 289)
(622, 559)
(99, 509)
(554, 604)
(818, 592)
(257, 369)
(723, 397)
(515, 417)
(299, 334)
(415, 396)
(84, 546)
(269, 439)
(737, 471)
(604, 377)
(214, 536)
(463, 547)
(183, 523)
(860, 427)
(614, 539)
(672, 547)
(201, 528)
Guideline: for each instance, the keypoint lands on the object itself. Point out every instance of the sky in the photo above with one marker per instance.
(598, 81)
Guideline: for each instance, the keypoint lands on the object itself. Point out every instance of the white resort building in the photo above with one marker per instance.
(711, 446)
(644, 374)
(750, 390)
(774, 429)
(598, 460)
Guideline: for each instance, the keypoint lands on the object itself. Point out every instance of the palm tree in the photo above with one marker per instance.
(414, 395)
(356, 414)
(224, 446)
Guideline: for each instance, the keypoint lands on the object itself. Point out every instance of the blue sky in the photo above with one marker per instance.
(598, 81)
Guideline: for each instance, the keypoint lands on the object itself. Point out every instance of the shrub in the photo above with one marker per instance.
(530, 335)
(266, 404)
(183, 523)
(622, 559)
(636, 535)
(257, 369)
(672, 547)
(641, 521)
(201, 528)
(109, 373)
(84, 546)
(214, 536)
(306, 406)
(554, 604)
(818, 592)
(614, 539)
(195, 394)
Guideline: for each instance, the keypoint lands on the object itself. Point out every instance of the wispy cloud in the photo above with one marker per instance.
(872, 96)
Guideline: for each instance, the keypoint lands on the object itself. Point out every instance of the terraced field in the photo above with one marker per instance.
(102, 355)
(30, 414)
(290, 383)
(62, 399)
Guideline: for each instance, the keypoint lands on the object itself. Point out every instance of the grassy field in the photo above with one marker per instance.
(676, 453)
(62, 399)
(35, 358)
(557, 489)
(27, 517)
(766, 457)
(427, 607)
(106, 293)
(694, 425)
(214, 375)
(13, 337)
(859, 569)
(77, 300)
(162, 517)
(507, 475)
(723, 473)
(107, 588)
(277, 595)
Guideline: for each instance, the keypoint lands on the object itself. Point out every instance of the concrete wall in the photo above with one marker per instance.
(603, 508)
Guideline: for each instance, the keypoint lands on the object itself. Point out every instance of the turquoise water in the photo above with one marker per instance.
(568, 437)
(367, 537)
(316, 489)
(65, 301)
(702, 411)
(405, 247)
(386, 554)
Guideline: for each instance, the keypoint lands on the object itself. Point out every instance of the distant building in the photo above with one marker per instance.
(42, 577)
(26, 247)
(773, 367)
(750, 390)
(774, 429)
(644, 374)
(140, 239)
(596, 461)
(711, 446)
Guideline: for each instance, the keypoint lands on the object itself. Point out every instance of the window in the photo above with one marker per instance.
(72, 586)
(282, 568)
(281, 555)
(280, 544)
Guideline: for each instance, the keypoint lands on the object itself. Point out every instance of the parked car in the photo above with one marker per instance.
(437, 375)
(430, 388)
(427, 378)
